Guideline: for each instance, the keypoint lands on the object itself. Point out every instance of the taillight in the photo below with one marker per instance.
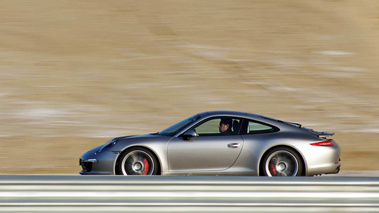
(323, 143)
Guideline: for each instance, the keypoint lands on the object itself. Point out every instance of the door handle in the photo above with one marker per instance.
(233, 145)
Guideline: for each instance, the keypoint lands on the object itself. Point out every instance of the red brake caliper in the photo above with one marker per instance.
(273, 169)
(146, 167)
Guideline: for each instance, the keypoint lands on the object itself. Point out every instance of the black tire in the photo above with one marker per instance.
(282, 161)
(138, 161)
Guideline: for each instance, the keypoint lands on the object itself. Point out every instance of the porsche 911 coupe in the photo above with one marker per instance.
(219, 143)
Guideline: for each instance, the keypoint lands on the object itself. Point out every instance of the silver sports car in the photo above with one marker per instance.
(219, 143)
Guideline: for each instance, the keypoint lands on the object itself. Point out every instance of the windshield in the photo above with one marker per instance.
(174, 129)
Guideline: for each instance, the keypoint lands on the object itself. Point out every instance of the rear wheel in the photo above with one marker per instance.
(138, 161)
(282, 161)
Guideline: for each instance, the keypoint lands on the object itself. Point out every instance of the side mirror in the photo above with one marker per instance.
(189, 134)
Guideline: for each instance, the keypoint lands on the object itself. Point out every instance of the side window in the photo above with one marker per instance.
(209, 127)
(219, 126)
(255, 127)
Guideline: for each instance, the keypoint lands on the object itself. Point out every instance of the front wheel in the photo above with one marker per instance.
(282, 161)
(138, 161)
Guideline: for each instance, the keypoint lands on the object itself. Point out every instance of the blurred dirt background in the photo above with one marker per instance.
(74, 74)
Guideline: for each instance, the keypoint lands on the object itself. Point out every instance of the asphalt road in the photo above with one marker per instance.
(350, 173)
(374, 173)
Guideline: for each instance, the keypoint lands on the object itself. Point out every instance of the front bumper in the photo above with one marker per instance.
(88, 165)
(95, 163)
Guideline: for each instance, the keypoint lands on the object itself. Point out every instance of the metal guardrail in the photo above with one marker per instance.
(187, 194)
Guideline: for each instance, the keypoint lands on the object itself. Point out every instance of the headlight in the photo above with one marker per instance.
(108, 145)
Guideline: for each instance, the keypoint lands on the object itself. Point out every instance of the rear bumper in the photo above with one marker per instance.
(336, 171)
(332, 168)
(323, 160)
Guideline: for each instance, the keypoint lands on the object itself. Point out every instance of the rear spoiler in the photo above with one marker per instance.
(325, 134)
(320, 134)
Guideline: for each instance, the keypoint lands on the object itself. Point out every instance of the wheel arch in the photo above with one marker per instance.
(116, 165)
(260, 163)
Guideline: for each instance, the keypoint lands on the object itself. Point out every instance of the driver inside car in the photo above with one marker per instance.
(225, 126)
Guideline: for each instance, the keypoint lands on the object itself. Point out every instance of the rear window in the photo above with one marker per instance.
(254, 127)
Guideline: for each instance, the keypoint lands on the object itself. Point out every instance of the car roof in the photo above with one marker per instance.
(224, 112)
(232, 113)
(282, 125)
(257, 117)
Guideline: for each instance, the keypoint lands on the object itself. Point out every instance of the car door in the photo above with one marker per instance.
(209, 151)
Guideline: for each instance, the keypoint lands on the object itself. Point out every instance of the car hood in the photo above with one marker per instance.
(127, 137)
(151, 135)
(143, 140)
